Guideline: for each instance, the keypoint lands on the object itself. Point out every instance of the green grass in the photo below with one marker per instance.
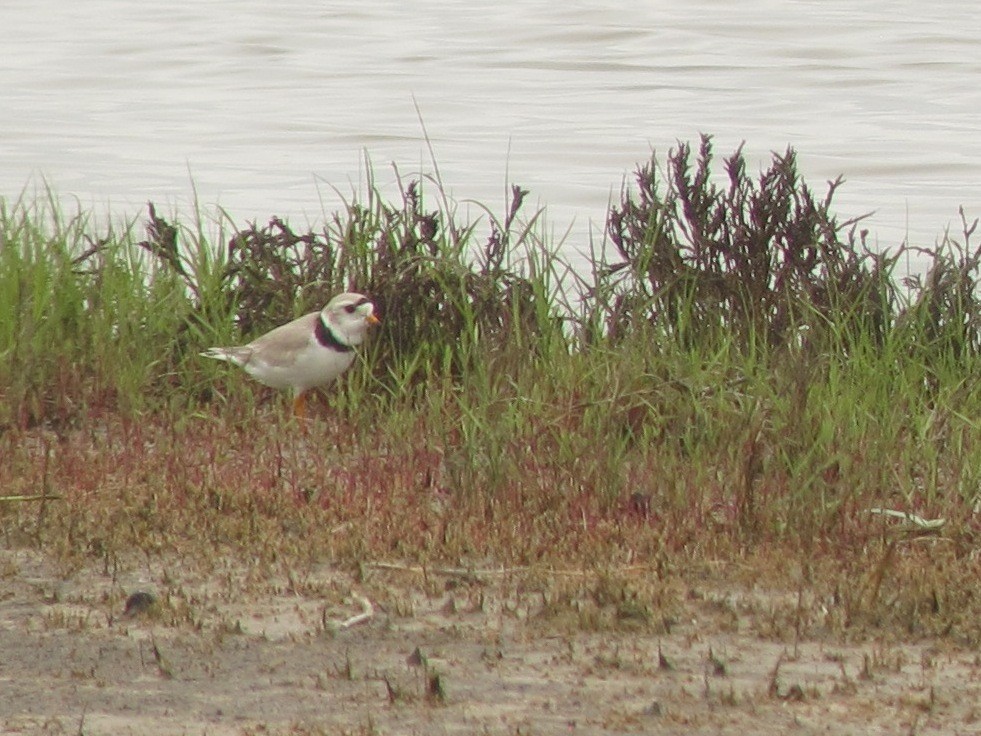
(739, 380)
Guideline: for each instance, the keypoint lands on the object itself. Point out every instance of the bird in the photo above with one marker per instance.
(310, 351)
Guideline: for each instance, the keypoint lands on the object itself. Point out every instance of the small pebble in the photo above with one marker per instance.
(139, 603)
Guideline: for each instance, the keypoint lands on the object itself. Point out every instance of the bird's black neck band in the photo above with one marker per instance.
(327, 338)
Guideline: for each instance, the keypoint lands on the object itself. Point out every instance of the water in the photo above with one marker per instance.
(268, 108)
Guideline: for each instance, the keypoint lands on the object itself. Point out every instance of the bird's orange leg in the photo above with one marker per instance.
(300, 406)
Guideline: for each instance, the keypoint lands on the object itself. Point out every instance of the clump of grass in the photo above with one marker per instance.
(941, 317)
(756, 259)
(90, 322)
(441, 291)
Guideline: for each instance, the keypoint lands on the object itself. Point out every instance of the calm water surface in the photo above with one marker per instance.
(270, 106)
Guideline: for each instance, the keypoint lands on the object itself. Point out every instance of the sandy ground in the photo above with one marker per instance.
(237, 651)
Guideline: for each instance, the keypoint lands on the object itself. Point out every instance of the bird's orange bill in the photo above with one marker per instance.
(373, 320)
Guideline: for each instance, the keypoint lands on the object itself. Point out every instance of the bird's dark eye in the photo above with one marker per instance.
(350, 308)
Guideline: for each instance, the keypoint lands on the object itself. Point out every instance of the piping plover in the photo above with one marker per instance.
(309, 351)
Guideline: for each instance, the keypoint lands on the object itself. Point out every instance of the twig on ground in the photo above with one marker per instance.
(37, 497)
(496, 571)
(367, 613)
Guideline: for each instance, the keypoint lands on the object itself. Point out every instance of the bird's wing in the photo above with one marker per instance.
(279, 347)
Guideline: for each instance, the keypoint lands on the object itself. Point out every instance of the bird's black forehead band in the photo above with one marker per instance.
(352, 308)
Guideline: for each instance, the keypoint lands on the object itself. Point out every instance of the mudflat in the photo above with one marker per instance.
(238, 647)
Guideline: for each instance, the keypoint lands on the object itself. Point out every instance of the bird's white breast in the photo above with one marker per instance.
(314, 365)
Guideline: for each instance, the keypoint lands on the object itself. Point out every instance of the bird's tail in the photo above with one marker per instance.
(218, 354)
